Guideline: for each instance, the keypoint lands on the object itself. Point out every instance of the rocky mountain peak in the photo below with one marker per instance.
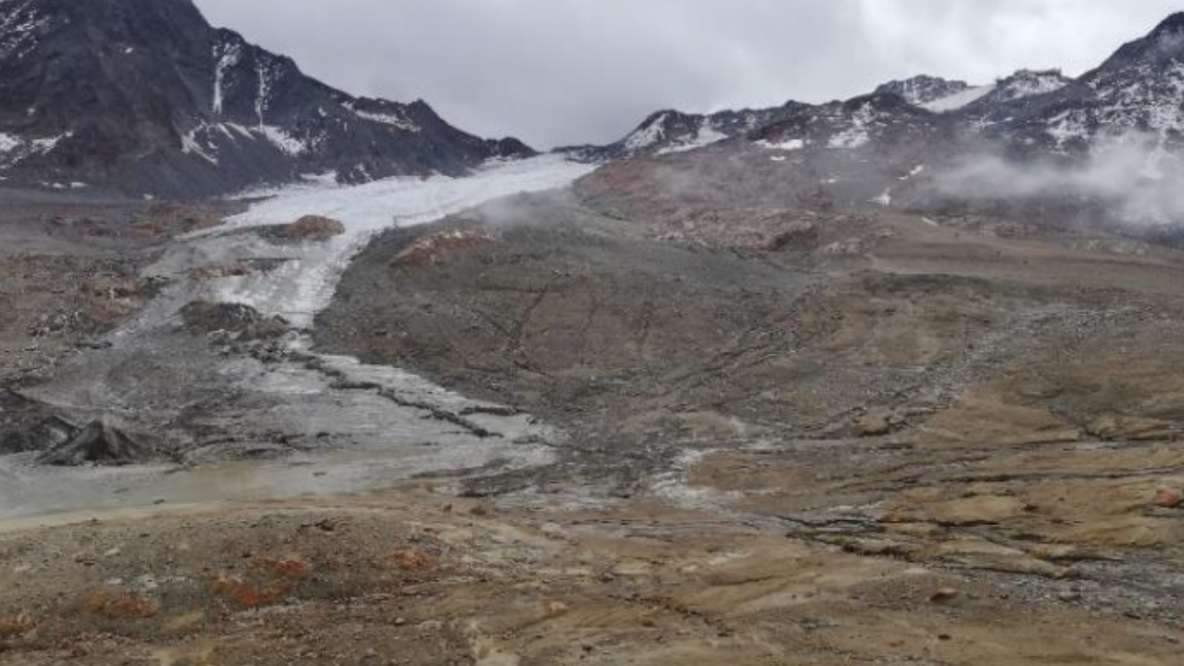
(145, 97)
(1029, 83)
(922, 90)
(1172, 25)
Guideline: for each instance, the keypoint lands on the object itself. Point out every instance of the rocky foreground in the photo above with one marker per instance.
(789, 436)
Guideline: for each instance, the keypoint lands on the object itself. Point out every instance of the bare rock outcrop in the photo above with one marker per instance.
(104, 442)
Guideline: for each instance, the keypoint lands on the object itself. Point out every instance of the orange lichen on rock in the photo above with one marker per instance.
(279, 574)
(414, 560)
(119, 605)
(292, 568)
(14, 627)
(245, 594)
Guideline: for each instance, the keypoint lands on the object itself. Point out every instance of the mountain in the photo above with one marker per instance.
(1104, 149)
(1137, 92)
(144, 96)
(671, 131)
(1024, 84)
(940, 95)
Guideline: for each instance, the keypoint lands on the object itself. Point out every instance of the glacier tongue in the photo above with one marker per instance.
(306, 283)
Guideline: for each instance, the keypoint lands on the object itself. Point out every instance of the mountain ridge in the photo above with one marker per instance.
(144, 96)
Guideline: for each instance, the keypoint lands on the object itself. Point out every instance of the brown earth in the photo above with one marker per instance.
(416, 577)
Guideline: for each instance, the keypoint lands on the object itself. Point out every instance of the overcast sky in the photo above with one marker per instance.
(576, 71)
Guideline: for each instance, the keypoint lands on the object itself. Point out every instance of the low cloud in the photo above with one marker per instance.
(1129, 178)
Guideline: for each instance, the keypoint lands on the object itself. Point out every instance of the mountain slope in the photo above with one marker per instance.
(146, 97)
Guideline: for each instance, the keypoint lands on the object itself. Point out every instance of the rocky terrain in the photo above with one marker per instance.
(889, 380)
(791, 437)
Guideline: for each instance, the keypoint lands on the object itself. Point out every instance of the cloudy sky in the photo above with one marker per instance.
(574, 71)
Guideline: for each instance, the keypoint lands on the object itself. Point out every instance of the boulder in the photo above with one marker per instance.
(313, 228)
(104, 442)
(874, 424)
(243, 321)
(27, 425)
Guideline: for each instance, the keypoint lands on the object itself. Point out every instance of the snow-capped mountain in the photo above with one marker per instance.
(941, 96)
(885, 121)
(670, 131)
(1138, 92)
(146, 97)
(1024, 84)
(1108, 147)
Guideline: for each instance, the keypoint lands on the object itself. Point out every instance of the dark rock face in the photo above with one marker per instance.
(103, 442)
(26, 425)
(146, 97)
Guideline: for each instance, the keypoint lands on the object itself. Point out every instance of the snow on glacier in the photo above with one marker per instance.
(305, 284)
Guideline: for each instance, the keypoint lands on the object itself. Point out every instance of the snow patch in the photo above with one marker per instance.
(45, 146)
(20, 27)
(788, 144)
(1029, 84)
(857, 134)
(884, 199)
(228, 56)
(284, 141)
(959, 100)
(397, 120)
(917, 170)
(704, 136)
(1068, 126)
(14, 149)
(647, 136)
(9, 143)
(190, 146)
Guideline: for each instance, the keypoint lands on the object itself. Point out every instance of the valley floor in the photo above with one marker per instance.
(774, 437)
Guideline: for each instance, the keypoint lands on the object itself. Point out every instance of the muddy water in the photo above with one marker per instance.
(295, 422)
